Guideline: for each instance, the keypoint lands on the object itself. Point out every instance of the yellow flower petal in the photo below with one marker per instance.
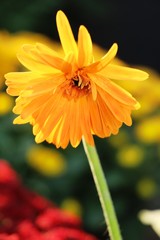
(103, 62)
(94, 90)
(19, 120)
(42, 83)
(75, 130)
(103, 123)
(120, 111)
(52, 58)
(114, 90)
(34, 64)
(43, 57)
(123, 73)
(85, 120)
(45, 118)
(85, 56)
(65, 34)
(17, 81)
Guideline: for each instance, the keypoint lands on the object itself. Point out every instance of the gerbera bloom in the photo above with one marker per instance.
(70, 97)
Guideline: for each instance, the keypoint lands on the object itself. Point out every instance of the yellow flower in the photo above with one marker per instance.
(46, 161)
(151, 217)
(148, 130)
(70, 97)
(72, 205)
(146, 188)
(130, 156)
(6, 103)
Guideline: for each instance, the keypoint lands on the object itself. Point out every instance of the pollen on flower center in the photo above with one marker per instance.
(80, 81)
(78, 84)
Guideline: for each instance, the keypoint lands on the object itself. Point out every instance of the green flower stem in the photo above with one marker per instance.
(103, 191)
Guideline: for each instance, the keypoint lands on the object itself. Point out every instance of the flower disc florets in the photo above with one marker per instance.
(78, 85)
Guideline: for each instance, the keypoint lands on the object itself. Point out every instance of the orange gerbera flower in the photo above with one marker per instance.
(70, 97)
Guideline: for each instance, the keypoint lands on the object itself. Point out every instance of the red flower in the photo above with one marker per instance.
(63, 233)
(4, 236)
(25, 215)
(55, 217)
(7, 174)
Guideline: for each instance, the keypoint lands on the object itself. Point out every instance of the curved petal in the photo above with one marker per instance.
(65, 33)
(43, 55)
(73, 123)
(52, 58)
(62, 126)
(60, 134)
(104, 61)
(95, 118)
(75, 118)
(123, 73)
(34, 63)
(111, 125)
(103, 123)
(45, 120)
(84, 108)
(114, 90)
(94, 90)
(42, 86)
(28, 81)
(85, 56)
(17, 81)
(33, 105)
(120, 111)
(19, 120)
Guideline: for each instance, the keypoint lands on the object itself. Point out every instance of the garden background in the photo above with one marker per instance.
(131, 160)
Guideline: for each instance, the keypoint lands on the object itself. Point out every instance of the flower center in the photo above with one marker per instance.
(80, 81)
(77, 85)
(75, 81)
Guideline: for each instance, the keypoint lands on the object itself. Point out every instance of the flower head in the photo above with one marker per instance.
(74, 96)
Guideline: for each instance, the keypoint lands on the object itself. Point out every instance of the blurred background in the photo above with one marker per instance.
(131, 160)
